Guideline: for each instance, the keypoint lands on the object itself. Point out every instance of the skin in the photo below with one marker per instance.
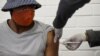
(16, 25)
(51, 47)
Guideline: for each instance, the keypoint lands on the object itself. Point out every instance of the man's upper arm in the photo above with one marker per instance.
(51, 47)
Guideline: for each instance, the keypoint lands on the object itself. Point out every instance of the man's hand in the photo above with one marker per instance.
(75, 41)
(58, 34)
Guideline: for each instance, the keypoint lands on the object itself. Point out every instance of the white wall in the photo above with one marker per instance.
(87, 17)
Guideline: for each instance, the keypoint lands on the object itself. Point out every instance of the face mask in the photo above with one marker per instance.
(23, 18)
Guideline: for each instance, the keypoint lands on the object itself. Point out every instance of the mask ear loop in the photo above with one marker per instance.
(13, 20)
(17, 27)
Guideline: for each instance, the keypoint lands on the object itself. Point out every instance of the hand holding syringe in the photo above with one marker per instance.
(75, 41)
(71, 45)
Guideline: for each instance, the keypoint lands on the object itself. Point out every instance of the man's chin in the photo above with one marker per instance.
(25, 25)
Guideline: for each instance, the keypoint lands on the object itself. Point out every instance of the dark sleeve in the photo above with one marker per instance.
(93, 38)
(65, 10)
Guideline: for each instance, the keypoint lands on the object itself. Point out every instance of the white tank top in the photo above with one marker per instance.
(28, 43)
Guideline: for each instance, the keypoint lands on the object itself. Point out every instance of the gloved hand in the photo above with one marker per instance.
(75, 41)
(58, 34)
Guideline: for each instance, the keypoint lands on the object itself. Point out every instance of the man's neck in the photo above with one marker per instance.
(17, 28)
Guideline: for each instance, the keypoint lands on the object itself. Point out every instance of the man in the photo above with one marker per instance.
(22, 35)
(66, 9)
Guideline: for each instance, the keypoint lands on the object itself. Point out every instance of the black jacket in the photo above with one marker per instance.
(93, 38)
(65, 10)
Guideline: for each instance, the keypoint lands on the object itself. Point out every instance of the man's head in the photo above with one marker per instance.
(22, 11)
(23, 15)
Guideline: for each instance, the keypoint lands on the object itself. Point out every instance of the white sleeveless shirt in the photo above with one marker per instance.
(28, 43)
